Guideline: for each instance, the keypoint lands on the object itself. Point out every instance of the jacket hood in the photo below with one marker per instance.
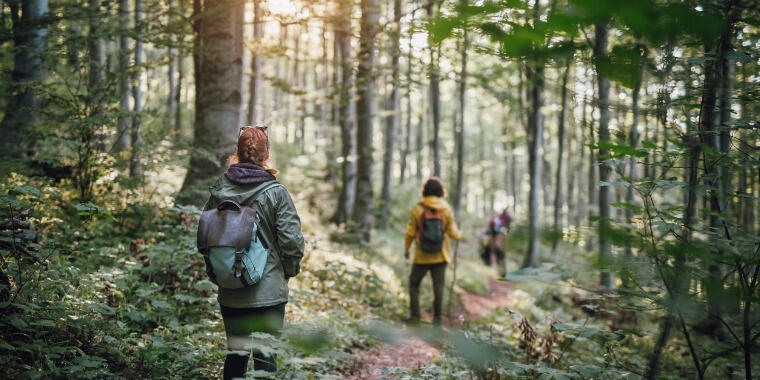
(247, 173)
(224, 188)
(436, 203)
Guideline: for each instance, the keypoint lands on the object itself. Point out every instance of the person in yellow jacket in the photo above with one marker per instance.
(431, 226)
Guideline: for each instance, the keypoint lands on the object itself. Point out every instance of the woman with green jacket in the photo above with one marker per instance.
(261, 307)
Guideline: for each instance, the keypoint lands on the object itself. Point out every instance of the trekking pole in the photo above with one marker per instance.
(453, 279)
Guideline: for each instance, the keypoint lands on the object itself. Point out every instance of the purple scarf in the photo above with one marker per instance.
(246, 173)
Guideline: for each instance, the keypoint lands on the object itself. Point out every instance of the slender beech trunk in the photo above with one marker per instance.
(296, 77)
(581, 200)
(710, 139)
(97, 74)
(218, 57)
(633, 141)
(605, 245)
(362, 215)
(122, 131)
(512, 175)
(180, 73)
(171, 73)
(419, 145)
(408, 96)
(171, 99)
(254, 86)
(572, 179)
(560, 158)
(435, 94)
(346, 116)
(459, 125)
(392, 120)
(28, 74)
(535, 75)
(279, 63)
(135, 169)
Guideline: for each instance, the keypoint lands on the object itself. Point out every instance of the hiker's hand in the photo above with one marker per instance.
(406, 254)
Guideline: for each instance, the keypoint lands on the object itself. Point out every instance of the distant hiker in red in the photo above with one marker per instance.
(498, 227)
(431, 225)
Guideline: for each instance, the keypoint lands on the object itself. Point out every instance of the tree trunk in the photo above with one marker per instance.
(435, 94)
(662, 339)
(419, 145)
(536, 79)
(180, 59)
(605, 245)
(710, 138)
(535, 76)
(218, 73)
(408, 95)
(512, 175)
(346, 117)
(560, 158)
(254, 89)
(24, 102)
(581, 200)
(633, 141)
(362, 215)
(171, 73)
(459, 124)
(134, 160)
(392, 120)
(97, 74)
(122, 131)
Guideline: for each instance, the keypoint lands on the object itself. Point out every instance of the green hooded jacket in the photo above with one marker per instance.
(280, 224)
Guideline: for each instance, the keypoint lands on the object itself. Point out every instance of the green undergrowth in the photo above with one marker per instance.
(116, 288)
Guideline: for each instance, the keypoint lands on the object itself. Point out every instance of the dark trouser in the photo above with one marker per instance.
(438, 272)
(239, 324)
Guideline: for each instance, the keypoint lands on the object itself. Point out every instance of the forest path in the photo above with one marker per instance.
(413, 353)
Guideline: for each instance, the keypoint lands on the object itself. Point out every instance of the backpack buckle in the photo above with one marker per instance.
(238, 266)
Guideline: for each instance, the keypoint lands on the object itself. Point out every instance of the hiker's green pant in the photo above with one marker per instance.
(438, 272)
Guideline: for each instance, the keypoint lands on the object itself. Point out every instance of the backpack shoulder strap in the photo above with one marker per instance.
(261, 189)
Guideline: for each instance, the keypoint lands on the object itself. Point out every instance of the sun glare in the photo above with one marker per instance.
(282, 7)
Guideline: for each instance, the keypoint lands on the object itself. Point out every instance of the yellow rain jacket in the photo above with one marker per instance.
(413, 235)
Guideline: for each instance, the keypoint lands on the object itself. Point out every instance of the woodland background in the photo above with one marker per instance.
(622, 136)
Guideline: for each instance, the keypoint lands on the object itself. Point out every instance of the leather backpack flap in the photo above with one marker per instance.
(206, 220)
(226, 227)
(232, 229)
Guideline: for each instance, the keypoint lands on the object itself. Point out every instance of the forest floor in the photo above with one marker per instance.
(414, 352)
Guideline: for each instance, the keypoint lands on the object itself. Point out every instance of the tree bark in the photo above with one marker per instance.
(558, 200)
(435, 94)
(392, 120)
(362, 215)
(346, 116)
(408, 115)
(24, 101)
(633, 141)
(180, 59)
(606, 279)
(122, 131)
(459, 125)
(662, 339)
(535, 75)
(254, 88)
(134, 161)
(218, 73)
(97, 74)
(710, 139)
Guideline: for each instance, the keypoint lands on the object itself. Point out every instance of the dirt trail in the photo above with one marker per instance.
(414, 353)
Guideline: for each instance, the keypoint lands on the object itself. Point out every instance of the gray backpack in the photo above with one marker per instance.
(229, 239)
